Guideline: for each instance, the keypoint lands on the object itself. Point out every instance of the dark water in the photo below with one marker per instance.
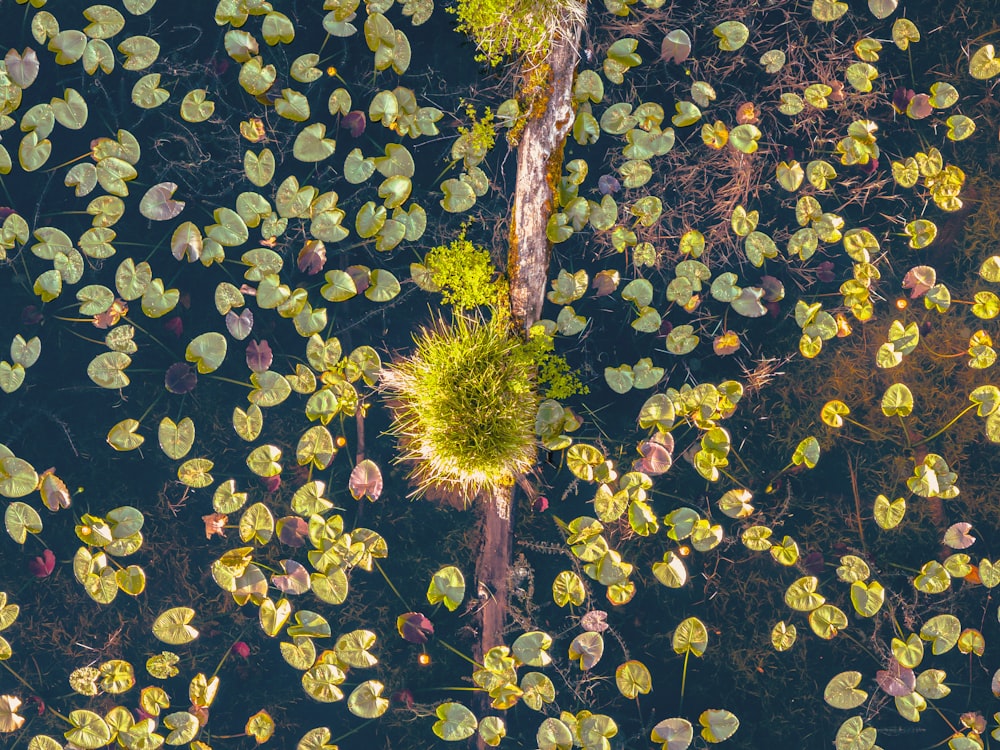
(60, 419)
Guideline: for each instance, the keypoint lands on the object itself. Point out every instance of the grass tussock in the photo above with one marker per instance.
(464, 406)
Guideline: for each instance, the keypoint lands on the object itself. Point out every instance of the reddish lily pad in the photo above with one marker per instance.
(366, 481)
(414, 627)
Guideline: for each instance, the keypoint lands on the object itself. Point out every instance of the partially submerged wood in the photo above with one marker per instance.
(539, 166)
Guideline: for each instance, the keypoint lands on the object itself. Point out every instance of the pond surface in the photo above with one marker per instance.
(774, 504)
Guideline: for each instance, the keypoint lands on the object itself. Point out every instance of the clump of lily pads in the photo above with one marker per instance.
(464, 405)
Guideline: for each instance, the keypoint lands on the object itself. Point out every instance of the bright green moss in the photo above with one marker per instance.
(464, 273)
(554, 376)
(515, 28)
(502, 28)
(477, 140)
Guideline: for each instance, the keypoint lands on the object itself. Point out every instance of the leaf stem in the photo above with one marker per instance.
(228, 652)
(906, 433)
(944, 429)
(230, 380)
(35, 692)
(459, 653)
(347, 734)
(857, 501)
(140, 328)
(18, 677)
(392, 586)
(684, 674)
(868, 429)
(67, 163)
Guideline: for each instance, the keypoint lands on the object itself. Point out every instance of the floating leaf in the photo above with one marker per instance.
(718, 725)
(984, 64)
(140, 52)
(957, 535)
(806, 452)
(123, 436)
(960, 127)
(413, 627)
(196, 106)
(89, 730)
(633, 679)
(20, 520)
(676, 47)
(207, 351)
(22, 67)
(448, 586)
(176, 439)
(867, 598)
(691, 636)
(108, 370)
(455, 722)
(828, 10)
(732, 35)
(903, 32)
(783, 636)
(366, 700)
(773, 60)
(158, 203)
(745, 137)
(888, 514)
(842, 691)
(942, 631)
(854, 735)
(897, 400)
(366, 481)
(195, 472)
(312, 145)
(147, 94)
(827, 620)
(567, 588)
(587, 648)
(173, 626)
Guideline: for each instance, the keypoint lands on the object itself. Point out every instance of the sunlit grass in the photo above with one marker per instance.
(464, 406)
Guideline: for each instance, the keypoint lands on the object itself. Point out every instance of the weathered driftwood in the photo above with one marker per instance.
(539, 164)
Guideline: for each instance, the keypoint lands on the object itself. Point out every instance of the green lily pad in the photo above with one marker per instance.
(620, 379)
(455, 722)
(173, 626)
(140, 52)
(207, 351)
(89, 731)
(447, 586)
(732, 35)
(458, 196)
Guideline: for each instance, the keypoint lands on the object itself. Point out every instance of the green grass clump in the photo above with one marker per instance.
(464, 406)
(514, 28)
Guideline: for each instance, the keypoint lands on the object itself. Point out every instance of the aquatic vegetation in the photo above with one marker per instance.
(464, 405)
(464, 275)
(747, 415)
(522, 29)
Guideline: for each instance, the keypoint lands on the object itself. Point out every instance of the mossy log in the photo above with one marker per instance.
(539, 165)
